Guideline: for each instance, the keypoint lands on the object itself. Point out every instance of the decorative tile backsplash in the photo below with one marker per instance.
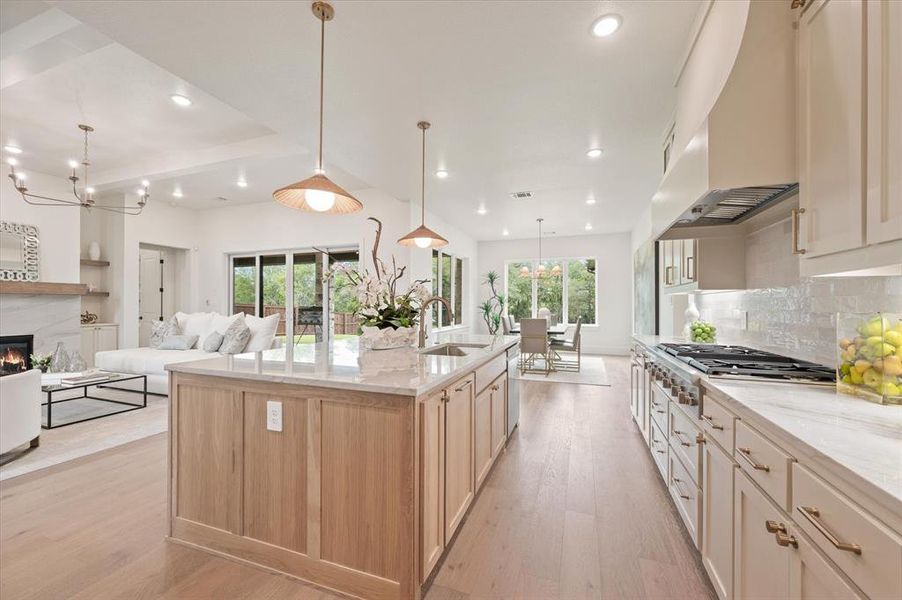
(797, 320)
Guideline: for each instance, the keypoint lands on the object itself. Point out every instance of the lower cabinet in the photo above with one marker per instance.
(811, 576)
(499, 415)
(98, 338)
(717, 518)
(483, 435)
(459, 456)
(432, 481)
(760, 569)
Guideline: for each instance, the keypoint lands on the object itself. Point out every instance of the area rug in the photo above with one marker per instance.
(74, 441)
(592, 372)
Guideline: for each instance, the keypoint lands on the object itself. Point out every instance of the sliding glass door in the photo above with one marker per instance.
(272, 284)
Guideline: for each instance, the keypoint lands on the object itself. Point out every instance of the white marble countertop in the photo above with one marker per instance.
(341, 364)
(857, 440)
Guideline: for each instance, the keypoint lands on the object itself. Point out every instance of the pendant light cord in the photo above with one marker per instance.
(322, 70)
(423, 184)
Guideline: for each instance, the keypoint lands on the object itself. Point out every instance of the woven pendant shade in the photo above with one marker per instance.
(423, 232)
(295, 195)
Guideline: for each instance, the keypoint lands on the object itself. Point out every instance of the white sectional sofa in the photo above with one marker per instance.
(152, 361)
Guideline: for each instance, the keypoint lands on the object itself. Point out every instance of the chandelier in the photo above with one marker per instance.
(83, 197)
(541, 271)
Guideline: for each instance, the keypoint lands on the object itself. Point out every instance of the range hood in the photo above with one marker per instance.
(738, 142)
(726, 207)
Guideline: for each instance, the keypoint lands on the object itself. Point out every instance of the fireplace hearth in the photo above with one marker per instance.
(15, 353)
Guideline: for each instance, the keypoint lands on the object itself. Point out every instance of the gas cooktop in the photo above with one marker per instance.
(741, 362)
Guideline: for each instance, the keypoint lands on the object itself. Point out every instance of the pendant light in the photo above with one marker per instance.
(319, 193)
(541, 270)
(422, 236)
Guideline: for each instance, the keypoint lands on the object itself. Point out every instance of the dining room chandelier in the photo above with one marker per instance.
(422, 236)
(541, 271)
(83, 195)
(319, 193)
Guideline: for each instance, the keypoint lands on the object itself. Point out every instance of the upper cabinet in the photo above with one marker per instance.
(850, 138)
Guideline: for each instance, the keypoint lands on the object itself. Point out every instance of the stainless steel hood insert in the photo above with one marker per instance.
(724, 207)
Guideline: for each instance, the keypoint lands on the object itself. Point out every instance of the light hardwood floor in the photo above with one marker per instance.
(574, 508)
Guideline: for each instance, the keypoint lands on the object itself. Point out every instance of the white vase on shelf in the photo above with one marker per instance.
(691, 315)
(94, 251)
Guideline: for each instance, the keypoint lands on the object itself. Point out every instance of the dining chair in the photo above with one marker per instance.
(534, 345)
(570, 343)
(506, 325)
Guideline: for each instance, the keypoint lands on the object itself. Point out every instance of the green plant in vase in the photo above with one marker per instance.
(41, 361)
(493, 307)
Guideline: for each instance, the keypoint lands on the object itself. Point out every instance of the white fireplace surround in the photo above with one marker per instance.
(50, 319)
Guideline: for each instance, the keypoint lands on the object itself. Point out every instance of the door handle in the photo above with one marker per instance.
(796, 212)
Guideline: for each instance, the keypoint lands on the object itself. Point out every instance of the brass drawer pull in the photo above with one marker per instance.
(774, 527)
(746, 453)
(673, 481)
(795, 230)
(679, 437)
(812, 515)
(700, 438)
(786, 540)
(463, 387)
(711, 421)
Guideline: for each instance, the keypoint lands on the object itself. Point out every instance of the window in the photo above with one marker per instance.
(566, 297)
(448, 283)
(244, 284)
(343, 296)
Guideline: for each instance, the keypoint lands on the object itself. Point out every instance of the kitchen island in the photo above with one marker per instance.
(349, 469)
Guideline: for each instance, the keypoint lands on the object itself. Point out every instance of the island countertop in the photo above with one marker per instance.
(342, 364)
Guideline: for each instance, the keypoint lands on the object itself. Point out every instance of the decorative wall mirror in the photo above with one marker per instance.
(19, 252)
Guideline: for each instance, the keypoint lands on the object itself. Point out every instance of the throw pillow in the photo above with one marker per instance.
(263, 332)
(220, 323)
(213, 342)
(163, 329)
(235, 338)
(195, 323)
(178, 342)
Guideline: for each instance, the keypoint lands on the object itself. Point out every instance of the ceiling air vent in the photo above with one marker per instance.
(521, 195)
(222, 198)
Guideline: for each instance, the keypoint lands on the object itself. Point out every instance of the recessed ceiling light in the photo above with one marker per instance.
(12, 161)
(441, 174)
(588, 227)
(481, 210)
(177, 193)
(505, 232)
(181, 100)
(594, 152)
(242, 183)
(605, 25)
(12, 149)
(590, 200)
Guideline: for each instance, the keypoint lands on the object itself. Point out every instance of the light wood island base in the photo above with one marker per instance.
(352, 495)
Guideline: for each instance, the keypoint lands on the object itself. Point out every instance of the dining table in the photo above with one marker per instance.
(553, 330)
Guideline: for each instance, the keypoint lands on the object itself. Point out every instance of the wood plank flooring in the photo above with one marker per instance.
(573, 509)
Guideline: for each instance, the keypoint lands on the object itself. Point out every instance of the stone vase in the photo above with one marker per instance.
(374, 338)
(94, 251)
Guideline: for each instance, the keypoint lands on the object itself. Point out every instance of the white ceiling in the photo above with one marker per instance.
(516, 91)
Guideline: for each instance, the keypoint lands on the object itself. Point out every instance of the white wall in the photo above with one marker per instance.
(58, 226)
(613, 253)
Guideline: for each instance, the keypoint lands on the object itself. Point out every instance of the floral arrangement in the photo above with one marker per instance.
(41, 361)
(382, 306)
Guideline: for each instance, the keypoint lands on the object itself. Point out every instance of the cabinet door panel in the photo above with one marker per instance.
(88, 349)
(831, 92)
(459, 479)
(499, 418)
(687, 273)
(432, 464)
(107, 339)
(717, 523)
(483, 435)
(812, 577)
(884, 196)
(760, 566)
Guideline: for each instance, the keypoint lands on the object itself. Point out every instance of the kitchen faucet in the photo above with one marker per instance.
(423, 307)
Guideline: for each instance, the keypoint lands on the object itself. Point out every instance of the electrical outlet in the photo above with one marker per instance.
(273, 415)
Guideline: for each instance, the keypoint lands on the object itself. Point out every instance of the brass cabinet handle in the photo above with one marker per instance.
(711, 421)
(444, 395)
(463, 387)
(674, 480)
(774, 527)
(746, 453)
(786, 540)
(679, 437)
(668, 275)
(688, 270)
(796, 212)
(812, 515)
(495, 388)
(700, 439)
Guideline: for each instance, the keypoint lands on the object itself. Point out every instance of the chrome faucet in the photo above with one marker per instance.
(423, 307)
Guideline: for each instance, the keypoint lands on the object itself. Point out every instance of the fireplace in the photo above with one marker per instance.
(15, 353)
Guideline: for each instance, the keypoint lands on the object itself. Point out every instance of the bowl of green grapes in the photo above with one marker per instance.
(702, 332)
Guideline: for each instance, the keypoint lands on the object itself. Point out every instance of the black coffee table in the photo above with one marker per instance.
(117, 406)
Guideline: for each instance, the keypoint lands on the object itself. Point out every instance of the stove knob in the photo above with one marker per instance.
(674, 390)
(683, 398)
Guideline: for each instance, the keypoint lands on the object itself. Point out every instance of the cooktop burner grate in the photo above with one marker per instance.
(739, 361)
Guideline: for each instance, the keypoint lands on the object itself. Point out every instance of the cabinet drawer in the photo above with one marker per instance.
(488, 372)
(766, 464)
(841, 529)
(686, 496)
(658, 443)
(718, 423)
(684, 436)
(658, 403)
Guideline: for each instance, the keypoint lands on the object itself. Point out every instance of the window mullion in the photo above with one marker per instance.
(565, 291)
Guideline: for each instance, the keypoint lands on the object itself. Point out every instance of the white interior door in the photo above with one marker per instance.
(150, 295)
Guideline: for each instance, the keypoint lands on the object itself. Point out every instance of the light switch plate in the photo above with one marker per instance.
(273, 415)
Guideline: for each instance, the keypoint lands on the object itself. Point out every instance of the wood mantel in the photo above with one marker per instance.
(32, 288)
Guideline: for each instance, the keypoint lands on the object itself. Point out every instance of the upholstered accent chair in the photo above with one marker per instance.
(20, 411)
(570, 344)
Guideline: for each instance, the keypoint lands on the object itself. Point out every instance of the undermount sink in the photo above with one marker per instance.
(451, 349)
